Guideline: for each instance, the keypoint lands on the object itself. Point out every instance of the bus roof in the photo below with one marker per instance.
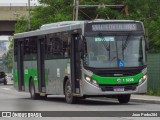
(62, 26)
(51, 28)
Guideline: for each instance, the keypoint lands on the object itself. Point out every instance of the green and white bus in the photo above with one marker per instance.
(82, 59)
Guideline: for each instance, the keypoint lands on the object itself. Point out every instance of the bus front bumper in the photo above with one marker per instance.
(90, 89)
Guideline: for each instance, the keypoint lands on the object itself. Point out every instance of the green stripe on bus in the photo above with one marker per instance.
(27, 74)
(117, 80)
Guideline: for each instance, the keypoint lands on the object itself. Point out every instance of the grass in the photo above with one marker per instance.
(153, 92)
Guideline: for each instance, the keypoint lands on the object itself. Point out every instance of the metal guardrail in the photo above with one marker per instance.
(153, 71)
(16, 4)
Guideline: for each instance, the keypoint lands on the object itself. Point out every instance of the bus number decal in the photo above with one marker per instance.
(129, 80)
(58, 72)
(26, 71)
(68, 68)
(35, 77)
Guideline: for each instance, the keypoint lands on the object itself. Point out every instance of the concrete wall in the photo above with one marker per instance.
(7, 27)
(8, 18)
(10, 13)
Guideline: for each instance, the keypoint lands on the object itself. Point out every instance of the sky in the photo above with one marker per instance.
(4, 37)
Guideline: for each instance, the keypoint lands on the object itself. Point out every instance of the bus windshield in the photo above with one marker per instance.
(114, 51)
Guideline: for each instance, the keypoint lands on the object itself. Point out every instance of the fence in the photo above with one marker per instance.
(154, 71)
(17, 4)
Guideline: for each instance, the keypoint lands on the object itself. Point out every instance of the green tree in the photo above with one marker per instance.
(62, 10)
(21, 25)
(50, 12)
(8, 58)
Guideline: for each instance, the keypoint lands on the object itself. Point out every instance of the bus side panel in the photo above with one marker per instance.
(15, 75)
(30, 71)
(20, 68)
(15, 72)
(35, 75)
(56, 70)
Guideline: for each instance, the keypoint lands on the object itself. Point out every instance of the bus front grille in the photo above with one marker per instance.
(112, 87)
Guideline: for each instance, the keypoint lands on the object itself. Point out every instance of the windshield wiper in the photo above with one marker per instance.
(116, 56)
(126, 42)
(124, 46)
(106, 46)
(140, 59)
(104, 43)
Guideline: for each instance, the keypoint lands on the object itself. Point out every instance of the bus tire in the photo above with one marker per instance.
(5, 82)
(43, 97)
(70, 99)
(124, 98)
(33, 94)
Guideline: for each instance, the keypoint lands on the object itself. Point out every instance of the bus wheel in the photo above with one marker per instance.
(124, 98)
(43, 97)
(70, 99)
(5, 82)
(33, 93)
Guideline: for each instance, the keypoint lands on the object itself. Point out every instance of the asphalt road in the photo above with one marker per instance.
(11, 100)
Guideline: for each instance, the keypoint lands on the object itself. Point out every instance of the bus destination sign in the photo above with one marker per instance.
(114, 27)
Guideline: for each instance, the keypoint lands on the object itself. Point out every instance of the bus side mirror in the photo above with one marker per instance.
(146, 45)
(80, 45)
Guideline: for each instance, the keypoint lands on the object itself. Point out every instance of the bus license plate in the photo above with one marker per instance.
(118, 89)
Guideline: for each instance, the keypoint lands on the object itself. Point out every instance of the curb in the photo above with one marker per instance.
(145, 101)
(137, 100)
(9, 84)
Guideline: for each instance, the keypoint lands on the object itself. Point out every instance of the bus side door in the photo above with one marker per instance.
(20, 65)
(40, 64)
(75, 64)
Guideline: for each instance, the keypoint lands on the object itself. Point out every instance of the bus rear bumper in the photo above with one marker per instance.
(90, 89)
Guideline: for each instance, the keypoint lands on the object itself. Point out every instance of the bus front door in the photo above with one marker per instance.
(20, 65)
(40, 65)
(75, 64)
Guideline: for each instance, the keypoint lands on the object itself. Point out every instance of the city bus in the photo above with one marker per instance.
(80, 59)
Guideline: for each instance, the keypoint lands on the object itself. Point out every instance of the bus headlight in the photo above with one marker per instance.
(143, 79)
(94, 81)
(88, 79)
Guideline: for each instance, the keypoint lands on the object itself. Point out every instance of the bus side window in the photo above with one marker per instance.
(53, 47)
(30, 49)
(26, 49)
(66, 44)
(15, 50)
(58, 51)
(48, 47)
(57, 46)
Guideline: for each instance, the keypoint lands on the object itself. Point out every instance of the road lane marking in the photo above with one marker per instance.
(6, 88)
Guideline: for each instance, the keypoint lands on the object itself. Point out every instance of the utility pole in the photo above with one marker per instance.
(29, 13)
(75, 9)
(78, 6)
(74, 2)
